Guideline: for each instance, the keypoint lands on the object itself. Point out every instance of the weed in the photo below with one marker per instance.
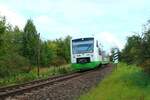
(125, 83)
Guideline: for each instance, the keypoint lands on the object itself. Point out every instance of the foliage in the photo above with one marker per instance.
(127, 82)
(2, 29)
(132, 51)
(30, 42)
(64, 48)
(10, 64)
(46, 54)
(60, 51)
(137, 50)
(21, 50)
(45, 72)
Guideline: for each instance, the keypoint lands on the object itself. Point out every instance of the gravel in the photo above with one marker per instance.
(67, 90)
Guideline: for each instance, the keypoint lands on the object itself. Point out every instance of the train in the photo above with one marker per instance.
(87, 53)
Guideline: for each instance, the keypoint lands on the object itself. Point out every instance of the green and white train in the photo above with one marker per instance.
(86, 53)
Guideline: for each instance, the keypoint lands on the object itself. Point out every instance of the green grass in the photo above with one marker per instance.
(45, 72)
(125, 83)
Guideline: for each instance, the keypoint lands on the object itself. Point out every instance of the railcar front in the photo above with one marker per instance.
(84, 53)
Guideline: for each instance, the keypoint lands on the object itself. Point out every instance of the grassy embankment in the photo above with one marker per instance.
(32, 75)
(125, 83)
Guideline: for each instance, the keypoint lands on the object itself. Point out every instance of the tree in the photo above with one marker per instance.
(132, 51)
(2, 29)
(46, 55)
(63, 48)
(137, 49)
(11, 61)
(145, 51)
(30, 42)
(2, 25)
(146, 45)
(66, 49)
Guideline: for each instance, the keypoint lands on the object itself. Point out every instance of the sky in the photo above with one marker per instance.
(111, 21)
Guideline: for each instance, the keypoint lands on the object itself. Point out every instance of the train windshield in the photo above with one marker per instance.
(84, 45)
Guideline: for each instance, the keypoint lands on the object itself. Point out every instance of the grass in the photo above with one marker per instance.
(125, 83)
(45, 72)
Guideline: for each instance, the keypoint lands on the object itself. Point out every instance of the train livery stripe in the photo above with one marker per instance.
(90, 65)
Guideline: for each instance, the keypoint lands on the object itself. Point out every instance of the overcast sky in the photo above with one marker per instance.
(109, 20)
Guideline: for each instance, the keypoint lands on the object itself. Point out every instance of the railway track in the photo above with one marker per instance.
(29, 86)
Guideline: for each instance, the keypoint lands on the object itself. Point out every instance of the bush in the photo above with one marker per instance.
(146, 66)
(59, 61)
(11, 64)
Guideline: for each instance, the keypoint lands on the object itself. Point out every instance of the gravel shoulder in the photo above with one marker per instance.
(67, 90)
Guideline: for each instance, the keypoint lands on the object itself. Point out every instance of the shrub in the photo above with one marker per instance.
(146, 66)
(11, 64)
(59, 61)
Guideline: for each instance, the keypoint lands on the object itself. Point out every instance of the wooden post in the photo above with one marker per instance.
(116, 66)
(38, 56)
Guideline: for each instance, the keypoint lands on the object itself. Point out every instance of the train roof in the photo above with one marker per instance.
(79, 37)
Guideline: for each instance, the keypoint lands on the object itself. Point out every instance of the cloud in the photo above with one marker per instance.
(44, 22)
(52, 28)
(12, 17)
(109, 40)
(110, 20)
(68, 9)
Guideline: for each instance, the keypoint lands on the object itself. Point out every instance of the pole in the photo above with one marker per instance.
(38, 56)
(115, 58)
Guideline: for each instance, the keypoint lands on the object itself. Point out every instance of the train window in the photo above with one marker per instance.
(96, 43)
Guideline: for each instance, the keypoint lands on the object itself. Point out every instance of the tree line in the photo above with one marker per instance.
(21, 50)
(137, 49)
